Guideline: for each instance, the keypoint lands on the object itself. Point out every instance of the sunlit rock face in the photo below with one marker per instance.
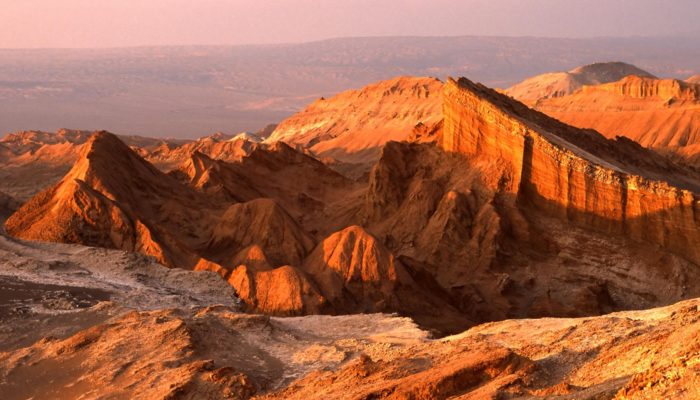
(657, 113)
(574, 174)
(352, 126)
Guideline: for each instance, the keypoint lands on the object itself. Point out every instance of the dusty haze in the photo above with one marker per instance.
(106, 23)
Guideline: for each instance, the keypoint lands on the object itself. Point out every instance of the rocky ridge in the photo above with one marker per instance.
(657, 113)
(353, 125)
(558, 84)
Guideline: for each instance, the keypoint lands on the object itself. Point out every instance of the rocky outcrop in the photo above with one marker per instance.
(558, 84)
(34, 160)
(300, 184)
(280, 291)
(695, 79)
(637, 355)
(352, 126)
(202, 346)
(657, 113)
(263, 224)
(571, 174)
(113, 198)
(218, 146)
(355, 272)
(636, 87)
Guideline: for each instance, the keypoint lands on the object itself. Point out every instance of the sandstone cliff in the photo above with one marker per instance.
(574, 175)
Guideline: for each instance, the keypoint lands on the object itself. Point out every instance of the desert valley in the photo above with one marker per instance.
(415, 238)
(236, 199)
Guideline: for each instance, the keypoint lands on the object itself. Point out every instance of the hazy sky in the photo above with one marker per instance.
(112, 23)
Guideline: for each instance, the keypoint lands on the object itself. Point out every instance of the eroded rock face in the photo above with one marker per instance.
(558, 84)
(300, 184)
(113, 198)
(33, 160)
(657, 113)
(216, 353)
(562, 171)
(353, 125)
(636, 355)
(354, 261)
(264, 224)
(498, 212)
(285, 290)
(523, 216)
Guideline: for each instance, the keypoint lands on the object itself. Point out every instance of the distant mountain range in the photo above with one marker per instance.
(196, 91)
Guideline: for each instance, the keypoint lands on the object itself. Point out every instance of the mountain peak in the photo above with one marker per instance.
(557, 84)
(353, 125)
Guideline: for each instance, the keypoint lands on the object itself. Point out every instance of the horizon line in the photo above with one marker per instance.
(686, 35)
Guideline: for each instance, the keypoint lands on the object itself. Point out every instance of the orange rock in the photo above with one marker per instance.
(657, 113)
(574, 174)
(280, 291)
(353, 125)
(558, 84)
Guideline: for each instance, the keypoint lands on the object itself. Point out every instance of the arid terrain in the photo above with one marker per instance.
(93, 323)
(413, 238)
(192, 91)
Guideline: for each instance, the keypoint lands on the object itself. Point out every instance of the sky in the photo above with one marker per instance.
(123, 23)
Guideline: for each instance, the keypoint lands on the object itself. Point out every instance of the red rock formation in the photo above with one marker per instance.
(353, 125)
(263, 224)
(281, 291)
(575, 175)
(34, 160)
(353, 262)
(300, 184)
(657, 113)
(169, 156)
(113, 198)
(558, 84)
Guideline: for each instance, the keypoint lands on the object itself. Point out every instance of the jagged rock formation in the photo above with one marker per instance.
(280, 291)
(302, 185)
(558, 84)
(518, 217)
(113, 198)
(357, 273)
(352, 126)
(576, 175)
(657, 113)
(33, 160)
(499, 211)
(264, 224)
(218, 146)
